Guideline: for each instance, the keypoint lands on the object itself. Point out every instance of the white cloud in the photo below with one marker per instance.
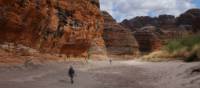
(126, 9)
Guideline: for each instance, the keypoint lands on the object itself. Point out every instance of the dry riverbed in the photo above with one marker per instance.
(101, 74)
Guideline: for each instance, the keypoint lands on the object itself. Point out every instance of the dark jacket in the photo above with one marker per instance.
(71, 72)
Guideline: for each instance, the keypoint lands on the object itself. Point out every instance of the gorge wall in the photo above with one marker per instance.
(188, 20)
(68, 27)
(118, 40)
(163, 28)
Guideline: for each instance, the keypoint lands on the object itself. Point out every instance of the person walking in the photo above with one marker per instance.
(110, 60)
(71, 74)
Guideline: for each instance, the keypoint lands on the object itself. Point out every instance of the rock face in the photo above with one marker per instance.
(153, 32)
(142, 21)
(190, 17)
(59, 26)
(95, 2)
(118, 40)
(196, 24)
(148, 39)
(143, 28)
(166, 21)
(139, 22)
(189, 20)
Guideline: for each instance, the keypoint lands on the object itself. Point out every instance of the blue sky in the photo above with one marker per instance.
(127, 9)
(197, 3)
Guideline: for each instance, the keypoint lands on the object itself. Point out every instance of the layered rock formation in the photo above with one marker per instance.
(118, 40)
(166, 21)
(58, 26)
(190, 18)
(152, 32)
(139, 22)
(148, 39)
(164, 27)
(142, 21)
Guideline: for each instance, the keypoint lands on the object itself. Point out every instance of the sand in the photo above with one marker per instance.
(101, 74)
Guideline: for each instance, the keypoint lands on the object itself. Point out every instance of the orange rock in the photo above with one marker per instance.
(59, 26)
(147, 39)
(118, 40)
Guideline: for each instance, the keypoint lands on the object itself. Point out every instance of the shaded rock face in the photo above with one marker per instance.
(118, 40)
(196, 24)
(141, 21)
(190, 17)
(147, 39)
(95, 2)
(166, 20)
(60, 26)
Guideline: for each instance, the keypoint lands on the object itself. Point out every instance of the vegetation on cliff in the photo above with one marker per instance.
(187, 49)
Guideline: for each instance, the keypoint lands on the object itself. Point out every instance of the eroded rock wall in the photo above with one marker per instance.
(118, 40)
(59, 26)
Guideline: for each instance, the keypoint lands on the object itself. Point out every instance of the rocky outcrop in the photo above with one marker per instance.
(148, 39)
(163, 28)
(118, 40)
(152, 32)
(142, 21)
(187, 19)
(95, 2)
(58, 26)
(139, 22)
(190, 17)
(166, 21)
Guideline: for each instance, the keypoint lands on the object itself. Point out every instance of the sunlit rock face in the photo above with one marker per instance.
(59, 26)
(118, 40)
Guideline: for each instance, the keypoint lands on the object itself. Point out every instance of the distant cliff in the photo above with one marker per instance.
(189, 20)
(142, 21)
(163, 28)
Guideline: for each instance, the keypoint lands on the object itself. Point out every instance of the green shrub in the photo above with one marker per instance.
(186, 48)
(177, 45)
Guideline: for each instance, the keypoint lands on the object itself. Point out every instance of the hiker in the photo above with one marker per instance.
(110, 60)
(71, 74)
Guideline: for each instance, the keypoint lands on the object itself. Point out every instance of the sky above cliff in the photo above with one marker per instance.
(127, 9)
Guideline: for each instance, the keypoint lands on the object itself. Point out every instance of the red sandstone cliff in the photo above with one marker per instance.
(118, 40)
(58, 26)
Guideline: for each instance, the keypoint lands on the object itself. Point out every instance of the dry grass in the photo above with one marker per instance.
(188, 49)
(158, 56)
(182, 54)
